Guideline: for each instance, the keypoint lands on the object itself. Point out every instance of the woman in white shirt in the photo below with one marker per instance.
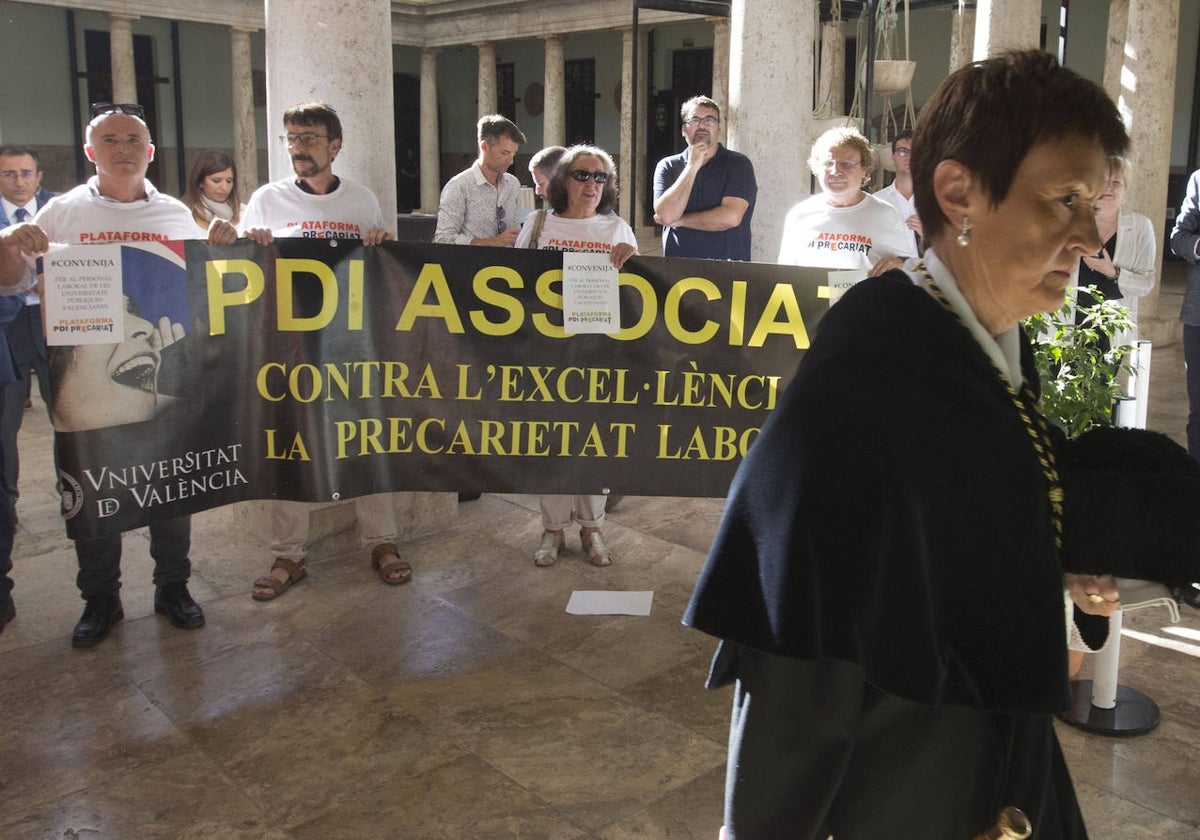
(1123, 270)
(581, 196)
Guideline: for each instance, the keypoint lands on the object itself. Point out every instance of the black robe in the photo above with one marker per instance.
(888, 592)
(893, 514)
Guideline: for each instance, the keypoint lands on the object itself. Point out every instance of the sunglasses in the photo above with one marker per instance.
(130, 108)
(581, 175)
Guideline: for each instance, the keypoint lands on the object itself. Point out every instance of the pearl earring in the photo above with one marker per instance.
(964, 235)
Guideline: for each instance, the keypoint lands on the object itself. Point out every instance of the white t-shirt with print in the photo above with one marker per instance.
(815, 233)
(84, 217)
(595, 234)
(346, 213)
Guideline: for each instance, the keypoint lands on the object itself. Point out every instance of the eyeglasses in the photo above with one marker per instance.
(840, 165)
(501, 225)
(902, 152)
(17, 174)
(304, 139)
(130, 108)
(581, 175)
(709, 121)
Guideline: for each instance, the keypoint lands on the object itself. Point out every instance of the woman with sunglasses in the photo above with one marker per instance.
(581, 196)
(843, 227)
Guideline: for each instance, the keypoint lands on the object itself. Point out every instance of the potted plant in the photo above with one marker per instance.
(1082, 365)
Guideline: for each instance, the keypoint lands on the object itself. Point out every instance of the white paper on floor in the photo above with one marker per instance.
(584, 602)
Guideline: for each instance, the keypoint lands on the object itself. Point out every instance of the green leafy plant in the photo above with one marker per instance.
(1080, 378)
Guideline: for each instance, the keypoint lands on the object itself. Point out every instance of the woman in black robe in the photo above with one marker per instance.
(887, 582)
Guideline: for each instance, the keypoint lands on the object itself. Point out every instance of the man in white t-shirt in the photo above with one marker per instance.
(117, 204)
(899, 193)
(318, 204)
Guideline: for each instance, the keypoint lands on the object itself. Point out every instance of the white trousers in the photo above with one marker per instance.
(559, 511)
(289, 524)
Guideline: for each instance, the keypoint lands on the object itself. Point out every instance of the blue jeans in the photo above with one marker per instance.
(100, 558)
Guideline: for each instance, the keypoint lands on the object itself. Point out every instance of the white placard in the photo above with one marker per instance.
(590, 301)
(593, 602)
(840, 281)
(83, 301)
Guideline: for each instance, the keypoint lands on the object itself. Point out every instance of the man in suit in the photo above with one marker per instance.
(21, 196)
(1185, 242)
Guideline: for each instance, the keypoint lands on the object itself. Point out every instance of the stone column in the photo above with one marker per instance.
(431, 150)
(776, 138)
(962, 38)
(349, 66)
(1114, 53)
(720, 80)
(831, 88)
(245, 143)
(624, 196)
(120, 40)
(1146, 102)
(554, 116)
(487, 78)
(1006, 25)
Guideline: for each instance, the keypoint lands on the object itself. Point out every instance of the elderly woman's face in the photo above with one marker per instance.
(584, 196)
(1023, 250)
(1114, 192)
(841, 173)
(111, 384)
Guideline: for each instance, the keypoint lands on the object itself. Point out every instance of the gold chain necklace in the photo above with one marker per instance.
(1035, 423)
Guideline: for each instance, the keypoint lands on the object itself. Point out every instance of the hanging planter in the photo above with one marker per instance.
(893, 76)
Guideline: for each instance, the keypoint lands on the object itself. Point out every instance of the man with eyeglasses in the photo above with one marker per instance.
(704, 196)
(21, 196)
(482, 204)
(899, 193)
(317, 204)
(117, 204)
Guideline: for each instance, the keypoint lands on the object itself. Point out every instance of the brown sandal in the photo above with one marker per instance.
(295, 573)
(386, 567)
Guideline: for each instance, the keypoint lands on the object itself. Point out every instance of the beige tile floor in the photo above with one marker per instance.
(464, 705)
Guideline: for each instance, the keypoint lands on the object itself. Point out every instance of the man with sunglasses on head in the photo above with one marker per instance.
(117, 204)
(704, 196)
(317, 204)
(482, 204)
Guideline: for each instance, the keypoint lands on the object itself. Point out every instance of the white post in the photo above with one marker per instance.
(1139, 382)
(1104, 678)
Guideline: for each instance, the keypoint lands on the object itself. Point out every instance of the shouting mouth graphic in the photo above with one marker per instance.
(137, 372)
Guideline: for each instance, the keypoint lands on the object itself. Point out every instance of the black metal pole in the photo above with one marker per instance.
(1195, 124)
(631, 165)
(177, 87)
(76, 108)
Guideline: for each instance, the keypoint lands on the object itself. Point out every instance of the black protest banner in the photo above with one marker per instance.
(318, 370)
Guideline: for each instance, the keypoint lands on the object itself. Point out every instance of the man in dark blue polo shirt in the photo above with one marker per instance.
(704, 196)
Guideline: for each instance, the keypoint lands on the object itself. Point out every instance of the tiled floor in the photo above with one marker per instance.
(466, 704)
